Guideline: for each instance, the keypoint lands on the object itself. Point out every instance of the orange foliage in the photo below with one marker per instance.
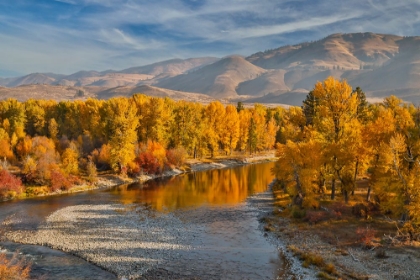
(5, 150)
(9, 183)
(13, 268)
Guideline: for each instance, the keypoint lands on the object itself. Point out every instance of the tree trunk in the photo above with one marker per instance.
(346, 196)
(354, 178)
(368, 193)
(332, 188)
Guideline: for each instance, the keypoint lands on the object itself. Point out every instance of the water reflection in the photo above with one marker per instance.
(215, 187)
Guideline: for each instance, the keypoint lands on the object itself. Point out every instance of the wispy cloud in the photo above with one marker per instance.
(99, 34)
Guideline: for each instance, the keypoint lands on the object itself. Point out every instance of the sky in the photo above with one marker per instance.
(65, 36)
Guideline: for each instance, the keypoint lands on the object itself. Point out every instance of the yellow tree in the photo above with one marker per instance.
(35, 114)
(121, 123)
(90, 113)
(230, 129)
(337, 123)
(187, 126)
(244, 122)
(397, 188)
(298, 167)
(270, 134)
(214, 117)
(258, 118)
(70, 161)
(376, 135)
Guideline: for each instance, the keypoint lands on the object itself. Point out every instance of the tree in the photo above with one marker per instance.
(240, 106)
(70, 161)
(121, 124)
(244, 123)
(309, 107)
(252, 136)
(230, 129)
(336, 121)
(214, 118)
(298, 166)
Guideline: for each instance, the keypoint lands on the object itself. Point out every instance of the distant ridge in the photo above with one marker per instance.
(380, 64)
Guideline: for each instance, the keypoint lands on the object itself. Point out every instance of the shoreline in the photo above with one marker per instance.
(193, 165)
(300, 241)
(138, 239)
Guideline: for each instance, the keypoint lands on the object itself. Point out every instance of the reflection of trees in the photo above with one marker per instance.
(218, 187)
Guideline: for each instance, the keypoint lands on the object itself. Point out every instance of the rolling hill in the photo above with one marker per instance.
(380, 64)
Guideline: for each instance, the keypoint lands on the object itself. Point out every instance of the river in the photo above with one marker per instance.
(220, 207)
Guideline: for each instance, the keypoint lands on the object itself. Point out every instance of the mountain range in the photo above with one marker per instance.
(380, 64)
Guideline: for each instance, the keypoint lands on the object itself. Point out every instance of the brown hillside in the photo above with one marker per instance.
(218, 80)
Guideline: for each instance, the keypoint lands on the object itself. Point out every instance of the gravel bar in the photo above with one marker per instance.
(126, 240)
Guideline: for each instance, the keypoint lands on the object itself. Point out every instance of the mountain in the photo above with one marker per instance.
(380, 64)
(348, 51)
(171, 67)
(36, 78)
(218, 80)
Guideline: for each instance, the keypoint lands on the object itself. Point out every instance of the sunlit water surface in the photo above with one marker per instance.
(229, 243)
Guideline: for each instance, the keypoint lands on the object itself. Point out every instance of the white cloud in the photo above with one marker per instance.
(129, 31)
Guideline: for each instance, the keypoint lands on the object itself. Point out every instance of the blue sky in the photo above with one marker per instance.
(65, 36)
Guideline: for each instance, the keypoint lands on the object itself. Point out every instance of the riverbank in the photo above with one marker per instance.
(336, 251)
(135, 241)
(223, 237)
(108, 180)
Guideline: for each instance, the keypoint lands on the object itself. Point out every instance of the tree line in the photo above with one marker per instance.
(336, 137)
(53, 143)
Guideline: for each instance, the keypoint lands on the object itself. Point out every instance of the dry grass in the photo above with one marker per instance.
(13, 268)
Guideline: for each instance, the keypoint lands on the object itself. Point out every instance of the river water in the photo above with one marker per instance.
(223, 206)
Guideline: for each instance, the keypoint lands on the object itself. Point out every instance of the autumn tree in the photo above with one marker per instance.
(121, 124)
(244, 123)
(230, 129)
(337, 123)
(214, 117)
(297, 167)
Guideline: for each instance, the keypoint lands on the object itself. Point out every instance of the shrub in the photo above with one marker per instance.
(10, 185)
(298, 213)
(314, 217)
(366, 236)
(59, 181)
(13, 268)
(91, 172)
(176, 157)
(148, 163)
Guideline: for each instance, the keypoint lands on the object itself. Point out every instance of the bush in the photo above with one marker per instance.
(10, 185)
(176, 157)
(366, 236)
(59, 181)
(298, 213)
(314, 217)
(148, 163)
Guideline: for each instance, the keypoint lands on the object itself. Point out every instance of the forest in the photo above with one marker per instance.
(328, 145)
(58, 145)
